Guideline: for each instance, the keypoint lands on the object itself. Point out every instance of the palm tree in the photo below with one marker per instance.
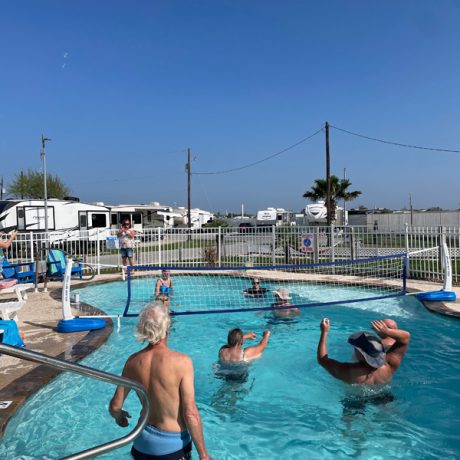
(338, 192)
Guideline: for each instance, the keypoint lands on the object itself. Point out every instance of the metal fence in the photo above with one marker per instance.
(226, 246)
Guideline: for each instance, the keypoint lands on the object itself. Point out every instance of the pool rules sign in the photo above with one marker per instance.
(307, 242)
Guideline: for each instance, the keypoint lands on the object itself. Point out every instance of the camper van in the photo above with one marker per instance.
(67, 217)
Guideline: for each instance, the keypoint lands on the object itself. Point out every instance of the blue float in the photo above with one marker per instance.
(80, 324)
(437, 296)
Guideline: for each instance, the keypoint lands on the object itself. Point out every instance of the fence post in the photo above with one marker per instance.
(273, 246)
(219, 247)
(160, 245)
(442, 235)
(316, 246)
(98, 253)
(332, 251)
(352, 243)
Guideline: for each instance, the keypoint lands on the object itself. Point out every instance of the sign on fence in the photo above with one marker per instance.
(306, 242)
(112, 242)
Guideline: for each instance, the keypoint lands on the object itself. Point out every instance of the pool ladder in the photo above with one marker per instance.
(99, 375)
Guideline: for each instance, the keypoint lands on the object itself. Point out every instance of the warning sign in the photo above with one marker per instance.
(306, 242)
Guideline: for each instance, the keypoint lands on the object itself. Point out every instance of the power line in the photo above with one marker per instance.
(433, 149)
(259, 161)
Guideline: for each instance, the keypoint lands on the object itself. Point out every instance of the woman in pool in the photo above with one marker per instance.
(233, 351)
(164, 284)
(255, 290)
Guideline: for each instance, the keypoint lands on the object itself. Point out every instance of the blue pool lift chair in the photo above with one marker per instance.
(24, 272)
(56, 262)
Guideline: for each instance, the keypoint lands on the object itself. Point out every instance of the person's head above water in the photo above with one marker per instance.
(255, 282)
(282, 293)
(165, 274)
(235, 337)
(369, 347)
(153, 323)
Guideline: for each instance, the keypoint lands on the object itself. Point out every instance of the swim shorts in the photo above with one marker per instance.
(155, 444)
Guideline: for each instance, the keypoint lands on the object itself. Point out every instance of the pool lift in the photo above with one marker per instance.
(71, 323)
(445, 294)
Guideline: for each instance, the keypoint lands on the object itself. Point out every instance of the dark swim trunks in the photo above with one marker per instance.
(183, 454)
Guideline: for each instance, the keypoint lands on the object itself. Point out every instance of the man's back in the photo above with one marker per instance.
(161, 371)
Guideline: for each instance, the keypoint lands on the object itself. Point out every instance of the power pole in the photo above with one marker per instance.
(344, 202)
(1, 189)
(45, 188)
(328, 177)
(189, 211)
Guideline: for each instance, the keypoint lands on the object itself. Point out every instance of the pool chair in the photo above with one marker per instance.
(11, 287)
(24, 272)
(56, 263)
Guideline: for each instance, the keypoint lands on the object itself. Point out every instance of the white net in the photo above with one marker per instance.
(219, 290)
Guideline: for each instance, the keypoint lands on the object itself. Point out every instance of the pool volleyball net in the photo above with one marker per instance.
(200, 290)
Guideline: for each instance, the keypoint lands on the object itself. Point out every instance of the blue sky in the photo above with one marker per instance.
(124, 87)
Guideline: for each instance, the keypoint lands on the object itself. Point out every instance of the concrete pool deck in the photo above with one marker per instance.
(19, 379)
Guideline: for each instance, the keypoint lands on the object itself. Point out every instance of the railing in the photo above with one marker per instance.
(254, 246)
(100, 375)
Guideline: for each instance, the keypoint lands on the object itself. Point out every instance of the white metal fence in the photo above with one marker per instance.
(225, 246)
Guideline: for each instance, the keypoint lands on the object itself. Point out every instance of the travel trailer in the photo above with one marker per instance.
(198, 217)
(274, 216)
(316, 213)
(66, 217)
(144, 216)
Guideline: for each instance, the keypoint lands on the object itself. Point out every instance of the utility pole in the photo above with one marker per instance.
(344, 202)
(328, 178)
(45, 189)
(189, 212)
(1, 189)
(411, 210)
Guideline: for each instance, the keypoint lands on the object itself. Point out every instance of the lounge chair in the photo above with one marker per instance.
(11, 287)
(56, 262)
(18, 272)
(9, 310)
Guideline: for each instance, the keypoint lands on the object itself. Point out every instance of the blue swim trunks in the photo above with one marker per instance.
(155, 444)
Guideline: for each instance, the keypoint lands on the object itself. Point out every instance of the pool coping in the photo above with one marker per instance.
(20, 389)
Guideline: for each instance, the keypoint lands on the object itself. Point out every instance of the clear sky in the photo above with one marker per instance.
(124, 87)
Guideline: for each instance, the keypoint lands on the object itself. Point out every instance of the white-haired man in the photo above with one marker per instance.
(168, 377)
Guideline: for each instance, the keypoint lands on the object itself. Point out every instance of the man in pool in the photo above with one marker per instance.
(282, 300)
(168, 377)
(233, 351)
(374, 366)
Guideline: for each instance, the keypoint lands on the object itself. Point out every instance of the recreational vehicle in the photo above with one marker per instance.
(274, 216)
(69, 218)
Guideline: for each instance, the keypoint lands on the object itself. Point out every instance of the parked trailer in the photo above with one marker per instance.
(67, 219)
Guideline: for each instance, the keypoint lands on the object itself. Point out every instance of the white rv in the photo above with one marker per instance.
(66, 217)
(198, 217)
(274, 216)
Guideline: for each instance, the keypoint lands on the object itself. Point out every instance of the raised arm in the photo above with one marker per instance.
(190, 411)
(347, 372)
(5, 244)
(397, 351)
(257, 350)
(157, 287)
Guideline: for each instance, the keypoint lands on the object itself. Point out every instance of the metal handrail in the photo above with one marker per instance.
(100, 375)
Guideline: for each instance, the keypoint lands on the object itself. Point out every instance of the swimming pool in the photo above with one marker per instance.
(287, 406)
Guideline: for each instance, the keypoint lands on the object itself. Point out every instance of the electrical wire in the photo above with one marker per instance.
(433, 149)
(250, 165)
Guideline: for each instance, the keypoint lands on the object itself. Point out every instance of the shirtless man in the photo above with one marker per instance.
(233, 351)
(168, 377)
(375, 366)
(282, 300)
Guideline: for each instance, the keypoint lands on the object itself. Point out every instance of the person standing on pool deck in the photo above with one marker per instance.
(168, 377)
(164, 284)
(126, 236)
(233, 351)
(375, 366)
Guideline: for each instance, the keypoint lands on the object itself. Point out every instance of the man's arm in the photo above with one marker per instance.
(399, 348)
(5, 244)
(190, 411)
(347, 372)
(257, 350)
(116, 404)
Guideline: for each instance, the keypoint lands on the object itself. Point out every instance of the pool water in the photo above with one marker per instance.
(286, 406)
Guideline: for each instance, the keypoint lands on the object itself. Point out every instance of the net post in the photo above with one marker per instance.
(219, 247)
(352, 243)
(273, 245)
(406, 242)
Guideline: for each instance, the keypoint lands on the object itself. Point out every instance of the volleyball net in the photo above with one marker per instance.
(200, 290)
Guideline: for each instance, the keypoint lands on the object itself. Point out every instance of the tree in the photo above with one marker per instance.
(338, 192)
(29, 184)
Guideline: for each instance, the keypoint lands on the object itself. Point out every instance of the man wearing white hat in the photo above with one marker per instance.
(375, 365)
(282, 301)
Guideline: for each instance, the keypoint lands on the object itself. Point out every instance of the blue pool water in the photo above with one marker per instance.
(287, 406)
